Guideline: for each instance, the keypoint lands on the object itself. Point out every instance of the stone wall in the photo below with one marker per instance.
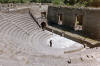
(52, 14)
(68, 15)
(91, 24)
(91, 19)
(8, 6)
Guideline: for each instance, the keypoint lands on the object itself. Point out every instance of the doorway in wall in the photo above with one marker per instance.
(43, 25)
(60, 19)
(78, 22)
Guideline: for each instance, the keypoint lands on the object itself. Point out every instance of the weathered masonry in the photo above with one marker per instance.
(88, 19)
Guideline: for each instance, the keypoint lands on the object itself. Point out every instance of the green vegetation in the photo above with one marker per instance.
(57, 2)
(13, 1)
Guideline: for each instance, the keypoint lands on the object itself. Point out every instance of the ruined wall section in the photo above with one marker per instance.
(52, 14)
(90, 19)
(68, 15)
(91, 24)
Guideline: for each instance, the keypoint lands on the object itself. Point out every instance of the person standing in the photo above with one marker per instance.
(50, 43)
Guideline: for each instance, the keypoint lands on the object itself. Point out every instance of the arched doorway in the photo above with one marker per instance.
(60, 19)
(43, 25)
(78, 22)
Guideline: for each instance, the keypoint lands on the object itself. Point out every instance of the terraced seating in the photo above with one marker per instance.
(23, 22)
(15, 33)
(11, 30)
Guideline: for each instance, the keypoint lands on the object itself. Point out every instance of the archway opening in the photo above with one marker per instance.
(43, 25)
(78, 22)
(60, 19)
